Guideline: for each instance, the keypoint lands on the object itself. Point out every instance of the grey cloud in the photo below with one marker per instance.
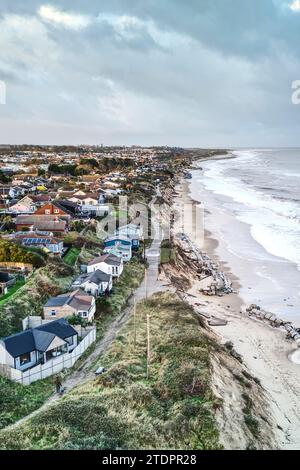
(185, 73)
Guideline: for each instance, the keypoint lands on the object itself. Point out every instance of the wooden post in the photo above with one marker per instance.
(134, 321)
(146, 283)
(148, 346)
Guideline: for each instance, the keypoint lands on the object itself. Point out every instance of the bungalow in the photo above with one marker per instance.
(54, 245)
(72, 303)
(38, 345)
(85, 199)
(45, 223)
(94, 210)
(119, 245)
(95, 283)
(110, 264)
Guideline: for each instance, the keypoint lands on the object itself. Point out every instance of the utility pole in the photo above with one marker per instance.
(146, 283)
(134, 321)
(148, 346)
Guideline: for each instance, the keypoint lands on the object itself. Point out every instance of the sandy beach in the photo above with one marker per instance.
(265, 350)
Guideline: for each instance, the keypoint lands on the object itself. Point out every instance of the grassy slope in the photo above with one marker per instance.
(72, 256)
(11, 291)
(122, 409)
(17, 400)
(30, 298)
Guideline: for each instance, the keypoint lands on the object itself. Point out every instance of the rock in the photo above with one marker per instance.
(217, 322)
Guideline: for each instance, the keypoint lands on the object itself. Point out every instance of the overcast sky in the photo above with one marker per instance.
(201, 73)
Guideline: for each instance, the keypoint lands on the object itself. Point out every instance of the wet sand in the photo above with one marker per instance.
(265, 350)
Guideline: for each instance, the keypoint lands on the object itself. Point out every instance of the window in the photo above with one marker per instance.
(47, 211)
(24, 359)
(84, 314)
(56, 211)
(53, 313)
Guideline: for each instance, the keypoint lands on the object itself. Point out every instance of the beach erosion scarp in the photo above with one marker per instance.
(265, 350)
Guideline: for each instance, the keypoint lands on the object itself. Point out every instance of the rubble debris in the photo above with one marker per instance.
(275, 322)
(206, 268)
(217, 322)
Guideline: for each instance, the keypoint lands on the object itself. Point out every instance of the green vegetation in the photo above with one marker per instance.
(130, 279)
(251, 422)
(17, 400)
(72, 256)
(122, 409)
(12, 290)
(49, 281)
(167, 253)
(12, 252)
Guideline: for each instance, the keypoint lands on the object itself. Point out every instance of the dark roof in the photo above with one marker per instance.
(59, 327)
(57, 301)
(99, 276)
(60, 205)
(38, 338)
(42, 339)
(21, 343)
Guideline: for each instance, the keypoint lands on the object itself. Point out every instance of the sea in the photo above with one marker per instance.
(252, 207)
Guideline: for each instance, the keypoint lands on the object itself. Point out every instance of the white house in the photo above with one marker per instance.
(38, 345)
(95, 283)
(110, 264)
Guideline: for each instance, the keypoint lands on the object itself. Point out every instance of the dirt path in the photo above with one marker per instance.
(149, 286)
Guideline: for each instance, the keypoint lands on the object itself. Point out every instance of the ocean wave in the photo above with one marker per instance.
(274, 220)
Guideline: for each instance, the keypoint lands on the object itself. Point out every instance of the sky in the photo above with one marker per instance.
(196, 73)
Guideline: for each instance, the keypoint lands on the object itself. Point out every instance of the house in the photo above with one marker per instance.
(40, 199)
(36, 240)
(89, 199)
(110, 264)
(72, 208)
(38, 345)
(119, 245)
(95, 283)
(54, 208)
(132, 231)
(94, 210)
(72, 303)
(9, 191)
(47, 223)
(6, 281)
(23, 206)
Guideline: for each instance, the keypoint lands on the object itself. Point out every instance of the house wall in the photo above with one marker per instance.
(61, 312)
(33, 361)
(115, 271)
(91, 288)
(5, 357)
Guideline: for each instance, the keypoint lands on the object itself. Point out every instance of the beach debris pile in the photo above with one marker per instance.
(274, 321)
(218, 283)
